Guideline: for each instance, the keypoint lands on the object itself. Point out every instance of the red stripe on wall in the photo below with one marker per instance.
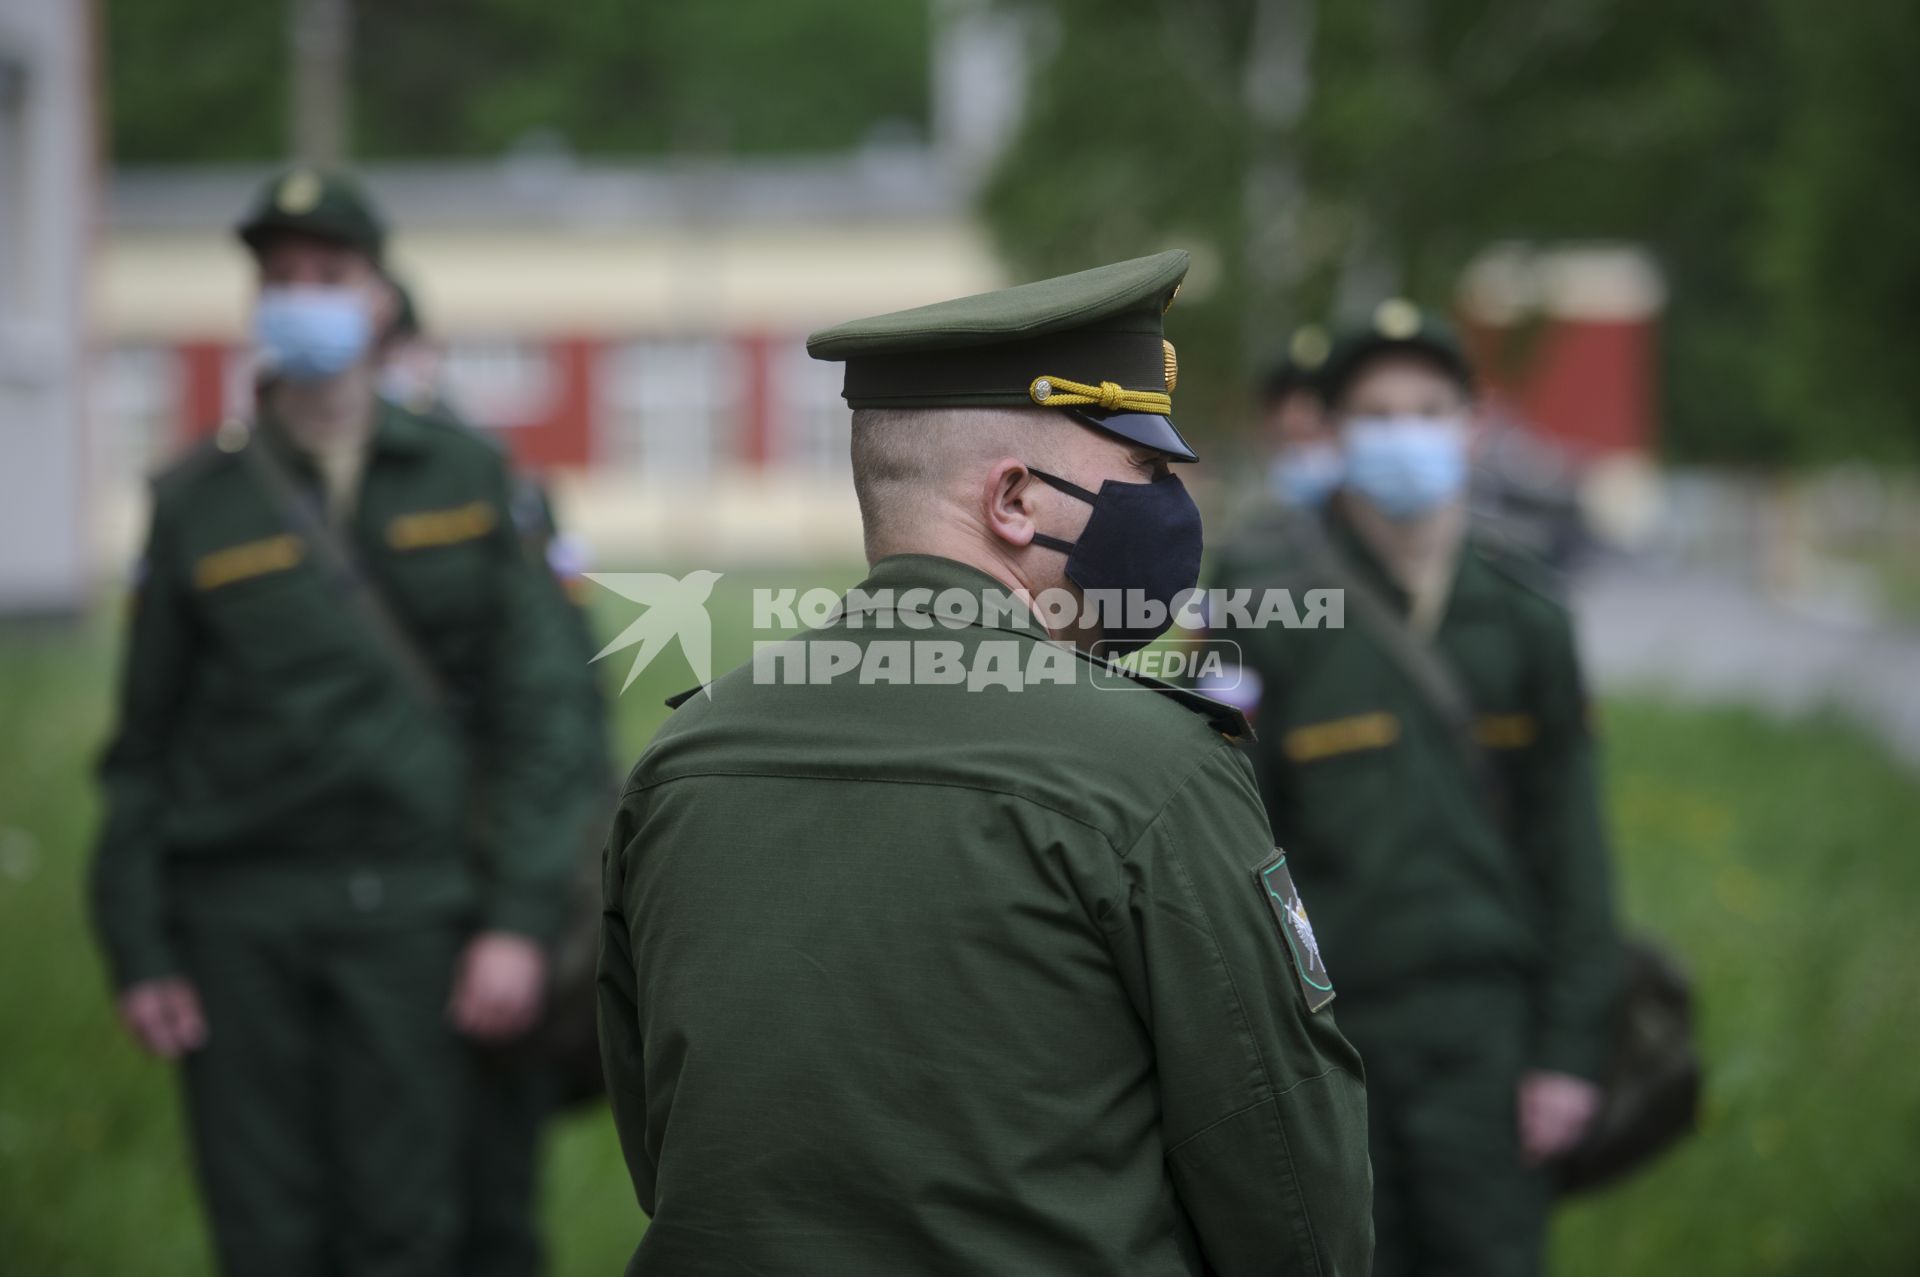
(756, 426)
(203, 389)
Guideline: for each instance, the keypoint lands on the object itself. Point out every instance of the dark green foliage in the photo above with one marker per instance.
(205, 80)
(1841, 265)
(1758, 151)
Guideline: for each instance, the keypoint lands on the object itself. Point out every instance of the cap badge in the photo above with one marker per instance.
(1173, 363)
(1397, 318)
(1310, 346)
(298, 193)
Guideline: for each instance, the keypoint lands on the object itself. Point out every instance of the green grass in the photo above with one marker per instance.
(1777, 858)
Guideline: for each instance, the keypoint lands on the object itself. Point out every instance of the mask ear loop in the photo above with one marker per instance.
(1072, 490)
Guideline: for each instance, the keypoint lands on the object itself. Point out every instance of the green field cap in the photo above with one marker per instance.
(1088, 344)
(1396, 326)
(329, 206)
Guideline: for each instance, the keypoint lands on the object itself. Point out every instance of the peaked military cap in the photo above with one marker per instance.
(329, 206)
(1088, 344)
(1396, 326)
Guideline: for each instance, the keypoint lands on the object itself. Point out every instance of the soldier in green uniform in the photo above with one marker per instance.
(1304, 465)
(335, 622)
(996, 975)
(1428, 766)
(517, 1087)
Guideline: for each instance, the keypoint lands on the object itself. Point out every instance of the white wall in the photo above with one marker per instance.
(46, 179)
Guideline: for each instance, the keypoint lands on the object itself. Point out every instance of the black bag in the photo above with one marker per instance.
(565, 1042)
(1651, 1088)
(1653, 1075)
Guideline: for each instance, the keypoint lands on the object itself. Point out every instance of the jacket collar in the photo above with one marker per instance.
(396, 432)
(1472, 587)
(888, 585)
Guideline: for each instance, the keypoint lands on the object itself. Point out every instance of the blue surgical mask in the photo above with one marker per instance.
(1406, 466)
(1302, 474)
(308, 334)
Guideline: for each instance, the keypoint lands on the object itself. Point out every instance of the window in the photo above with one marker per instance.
(499, 384)
(812, 425)
(671, 407)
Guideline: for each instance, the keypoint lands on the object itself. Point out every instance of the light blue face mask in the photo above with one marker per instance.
(1301, 475)
(308, 334)
(1406, 466)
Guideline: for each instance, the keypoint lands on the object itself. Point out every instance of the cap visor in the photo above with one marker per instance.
(1149, 429)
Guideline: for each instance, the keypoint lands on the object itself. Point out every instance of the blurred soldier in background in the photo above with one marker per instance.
(1304, 465)
(517, 1088)
(411, 359)
(337, 644)
(1429, 770)
(910, 977)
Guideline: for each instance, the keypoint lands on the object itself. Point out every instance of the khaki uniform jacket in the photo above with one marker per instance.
(273, 762)
(1415, 872)
(917, 978)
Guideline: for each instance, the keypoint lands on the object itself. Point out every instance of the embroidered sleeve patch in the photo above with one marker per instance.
(1276, 884)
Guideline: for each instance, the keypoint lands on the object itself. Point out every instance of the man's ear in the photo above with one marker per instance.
(1006, 502)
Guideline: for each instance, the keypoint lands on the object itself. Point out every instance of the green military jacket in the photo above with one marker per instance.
(273, 761)
(1414, 869)
(563, 591)
(912, 978)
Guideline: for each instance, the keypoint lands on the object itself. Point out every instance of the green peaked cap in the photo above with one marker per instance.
(1396, 326)
(329, 206)
(1088, 344)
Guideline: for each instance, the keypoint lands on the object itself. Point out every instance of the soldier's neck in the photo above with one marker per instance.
(982, 552)
(333, 415)
(1419, 554)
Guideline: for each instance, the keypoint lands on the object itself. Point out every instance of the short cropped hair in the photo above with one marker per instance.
(910, 464)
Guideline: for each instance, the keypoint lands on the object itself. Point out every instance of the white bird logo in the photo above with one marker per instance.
(675, 608)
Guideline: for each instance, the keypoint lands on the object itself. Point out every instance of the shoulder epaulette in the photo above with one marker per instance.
(1221, 717)
(202, 458)
(681, 698)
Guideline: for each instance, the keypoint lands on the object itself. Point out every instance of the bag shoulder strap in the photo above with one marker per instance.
(341, 567)
(1433, 678)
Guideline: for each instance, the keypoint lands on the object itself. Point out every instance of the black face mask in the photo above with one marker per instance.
(1143, 540)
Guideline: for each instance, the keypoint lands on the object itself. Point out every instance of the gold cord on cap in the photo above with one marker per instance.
(1108, 396)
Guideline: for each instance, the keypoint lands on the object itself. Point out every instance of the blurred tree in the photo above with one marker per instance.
(205, 80)
(620, 77)
(195, 79)
(1431, 128)
(1136, 140)
(1841, 261)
